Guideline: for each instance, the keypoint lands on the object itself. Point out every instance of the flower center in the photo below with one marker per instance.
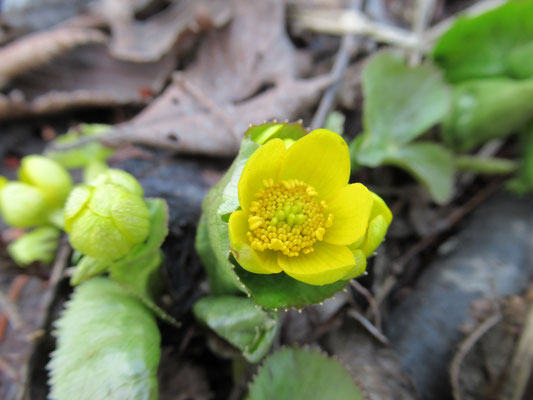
(287, 217)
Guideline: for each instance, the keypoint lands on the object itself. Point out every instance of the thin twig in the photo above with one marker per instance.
(345, 22)
(371, 302)
(9, 370)
(423, 15)
(519, 372)
(14, 293)
(60, 263)
(348, 46)
(465, 347)
(368, 326)
(451, 220)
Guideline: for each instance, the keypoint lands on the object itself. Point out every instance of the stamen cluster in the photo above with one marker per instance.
(287, 217)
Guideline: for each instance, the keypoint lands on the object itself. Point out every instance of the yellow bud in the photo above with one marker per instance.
(105, 222)
(119, 177)
(23, 205)
(48, 176)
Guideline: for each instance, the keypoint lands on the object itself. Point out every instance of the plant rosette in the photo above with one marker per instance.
(284, 225)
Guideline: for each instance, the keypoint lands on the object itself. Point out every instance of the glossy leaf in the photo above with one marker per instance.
(212, 240)
(401, 102)
(303, 374)
(108, 346)
(487, 109)
(430, 163)
(241, 322)
(282, 291)
(495, 44)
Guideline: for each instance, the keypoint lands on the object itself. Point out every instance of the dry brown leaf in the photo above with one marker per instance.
(86, 76)
(33, 50)
(148, 40)
(27, 16)
(245, 74)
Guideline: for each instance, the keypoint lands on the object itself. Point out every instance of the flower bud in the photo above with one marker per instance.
(22, 205)
(119, 177)
(106, 221)
(48, 176)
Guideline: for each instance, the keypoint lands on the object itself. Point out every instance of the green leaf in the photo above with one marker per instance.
(289, 132)
(84, 155)
(108, 346)
(37, 245)
(335, 122)
(241, 322)
(523, 182)
(401, 102)
(430, 163)
(281, 291)
(212, 240)
(87, 268)
(485, 165)
(300, 374)
(138, 272)
(494, 44)
(487, 109)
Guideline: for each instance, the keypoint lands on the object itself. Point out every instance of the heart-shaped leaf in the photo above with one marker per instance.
(301, 374)
(282, 291)
(108, 346)
(401, 102)
(430, 163)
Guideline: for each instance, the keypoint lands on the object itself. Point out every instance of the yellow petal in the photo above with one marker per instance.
(320, 159)
(359, 267)
(379, 207)
(375, 235)
(351, 208)
(328, 263)
(265, 163)
(380, 219)
(258, 262)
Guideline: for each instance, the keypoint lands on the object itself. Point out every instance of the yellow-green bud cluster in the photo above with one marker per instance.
(42, 189)
(107, 219)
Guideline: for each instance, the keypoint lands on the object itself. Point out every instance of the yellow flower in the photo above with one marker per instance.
(299, 215)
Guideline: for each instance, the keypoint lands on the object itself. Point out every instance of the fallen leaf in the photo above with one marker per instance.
(28, 16)
(244, 74)
(148, 40)
(86, 76)
(32, 51)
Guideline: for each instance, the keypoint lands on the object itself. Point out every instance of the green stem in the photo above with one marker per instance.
(485, 165)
